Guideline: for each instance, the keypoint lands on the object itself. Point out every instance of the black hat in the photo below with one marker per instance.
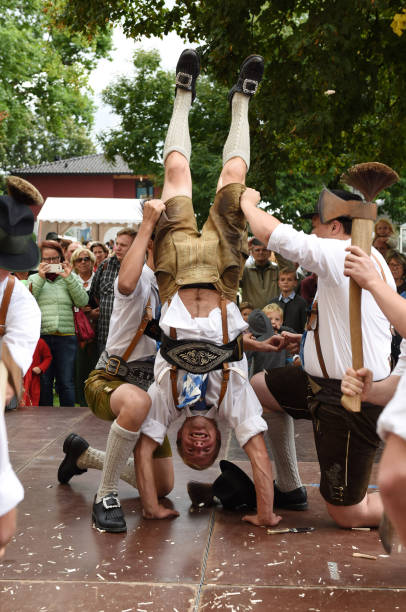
(233, 487)
(52, 236)
(18, 209)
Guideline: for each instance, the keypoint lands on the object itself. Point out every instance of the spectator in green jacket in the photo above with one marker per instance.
(56, 293)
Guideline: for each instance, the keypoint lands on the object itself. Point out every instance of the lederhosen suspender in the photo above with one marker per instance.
(313, 325)
(114, 361)
(5, 303)
(225, 368)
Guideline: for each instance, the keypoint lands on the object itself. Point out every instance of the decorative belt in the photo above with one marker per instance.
(200, 356)
(139, 373)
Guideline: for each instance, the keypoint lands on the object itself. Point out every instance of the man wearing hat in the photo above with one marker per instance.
(20, 320)
(346, 442)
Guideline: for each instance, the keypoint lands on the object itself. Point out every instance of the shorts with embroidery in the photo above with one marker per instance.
(216, 255)
(98, 389)
(346, 444)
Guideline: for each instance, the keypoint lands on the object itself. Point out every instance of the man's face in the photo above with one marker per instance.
(260, 254)
(287, 283)
(322, 230)
(71, 249)
(122, 245)
(199, 441)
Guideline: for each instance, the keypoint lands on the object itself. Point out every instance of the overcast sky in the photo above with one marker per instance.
(169, 47)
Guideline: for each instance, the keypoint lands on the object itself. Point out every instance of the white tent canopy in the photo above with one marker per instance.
(100, 214)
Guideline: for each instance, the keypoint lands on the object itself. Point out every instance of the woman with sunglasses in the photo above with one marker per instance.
(83, 261)
(57, 290)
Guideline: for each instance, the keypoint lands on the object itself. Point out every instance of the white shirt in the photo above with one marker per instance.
(23, 324)
(11, 490)
(85, 284)
(128, 311)
(325, 257)
(240, 407)
(400, 367)
(393, 417)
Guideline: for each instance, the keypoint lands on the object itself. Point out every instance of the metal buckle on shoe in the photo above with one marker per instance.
(184, 80)
(115, 502)
(249, 87)
(113, 366)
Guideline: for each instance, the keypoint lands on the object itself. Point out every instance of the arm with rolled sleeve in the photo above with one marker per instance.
(11, 491)
(324, 256)
(23, 324)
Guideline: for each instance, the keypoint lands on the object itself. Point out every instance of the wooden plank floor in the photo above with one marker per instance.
(203, 560)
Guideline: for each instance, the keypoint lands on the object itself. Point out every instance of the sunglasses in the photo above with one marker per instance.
(80, 259)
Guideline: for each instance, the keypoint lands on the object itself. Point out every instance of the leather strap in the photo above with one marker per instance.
(224, 382)
(139, 332)
(5, 303)
(225, 370)
(314, 313)
(380, 267)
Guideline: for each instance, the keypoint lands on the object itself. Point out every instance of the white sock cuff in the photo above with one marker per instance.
(126, 434)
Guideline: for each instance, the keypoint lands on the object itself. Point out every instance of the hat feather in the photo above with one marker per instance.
(370, 178)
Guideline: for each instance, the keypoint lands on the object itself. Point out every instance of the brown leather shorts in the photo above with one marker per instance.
(216, 255)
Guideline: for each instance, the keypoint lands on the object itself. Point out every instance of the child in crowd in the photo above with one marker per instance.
(245, 309)
(275, 315)
(276, 318)
(294, 307)
(385, 236)
(41, 361)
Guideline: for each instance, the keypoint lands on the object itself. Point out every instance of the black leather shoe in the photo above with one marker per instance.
(108, 515)
(73, 447)
(200, 493)
(291, 500)
(251, 72)
(187, 71)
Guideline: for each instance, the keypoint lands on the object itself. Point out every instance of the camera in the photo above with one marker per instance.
(55, 268)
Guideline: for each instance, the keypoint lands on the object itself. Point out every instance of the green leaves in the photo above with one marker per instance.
(42, 86)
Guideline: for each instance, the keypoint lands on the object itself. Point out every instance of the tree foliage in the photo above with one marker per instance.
(333, 89)
(45, 110)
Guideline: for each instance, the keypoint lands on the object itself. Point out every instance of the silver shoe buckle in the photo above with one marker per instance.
(249, 87)
(184, 80)
(108, 505)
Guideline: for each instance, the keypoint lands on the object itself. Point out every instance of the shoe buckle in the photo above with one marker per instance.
(249, 87)
(184, 80)
(111, 502)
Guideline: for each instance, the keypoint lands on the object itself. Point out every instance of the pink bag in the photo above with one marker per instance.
(84, 331)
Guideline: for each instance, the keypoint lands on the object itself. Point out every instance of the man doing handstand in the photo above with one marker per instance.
(201, 370)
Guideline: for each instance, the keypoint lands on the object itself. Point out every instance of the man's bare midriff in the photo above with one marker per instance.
(200, 302)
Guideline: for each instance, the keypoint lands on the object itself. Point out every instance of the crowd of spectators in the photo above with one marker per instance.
(276, 296)
(71, 276)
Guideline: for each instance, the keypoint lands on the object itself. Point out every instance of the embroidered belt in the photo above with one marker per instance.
(139, 373)
(200, 356)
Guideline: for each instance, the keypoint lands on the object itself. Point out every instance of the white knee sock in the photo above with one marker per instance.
(120, 445)
(178, 138)
(238, 139)
(281, 432)
(94, 458)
